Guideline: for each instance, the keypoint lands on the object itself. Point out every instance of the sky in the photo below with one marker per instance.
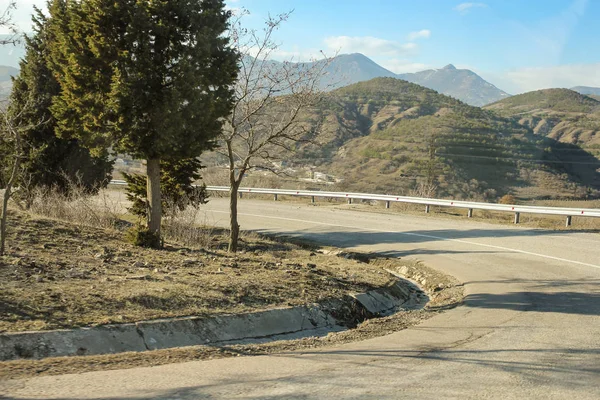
(518, 45)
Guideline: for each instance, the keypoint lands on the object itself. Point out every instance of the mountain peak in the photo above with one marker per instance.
(449, 66)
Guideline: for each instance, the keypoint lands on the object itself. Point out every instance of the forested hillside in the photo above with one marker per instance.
(561, 114)
(389, 135)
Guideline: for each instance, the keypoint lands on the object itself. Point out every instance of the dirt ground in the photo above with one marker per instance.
(61, 275)
(445, 292)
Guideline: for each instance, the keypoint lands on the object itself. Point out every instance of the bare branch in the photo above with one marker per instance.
(271, 99)
(6, 22)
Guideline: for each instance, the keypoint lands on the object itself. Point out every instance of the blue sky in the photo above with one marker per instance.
(518, 45)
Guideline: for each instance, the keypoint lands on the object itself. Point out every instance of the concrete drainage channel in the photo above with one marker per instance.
(276, 324)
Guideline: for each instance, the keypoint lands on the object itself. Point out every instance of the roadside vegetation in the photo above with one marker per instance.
(94, 84)
(63, 275)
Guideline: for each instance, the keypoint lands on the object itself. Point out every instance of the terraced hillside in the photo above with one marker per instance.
(561, 114)
(389, 135)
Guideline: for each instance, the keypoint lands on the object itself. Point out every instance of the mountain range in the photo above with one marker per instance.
(388, 135)
(462, 84)
(347, 69)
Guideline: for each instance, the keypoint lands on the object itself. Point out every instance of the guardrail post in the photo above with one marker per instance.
(569, 220)
(349, 200)
(387, 204)
(427, 209)
(517, 217)
(470, 213)
(275, 197)
(312, 199)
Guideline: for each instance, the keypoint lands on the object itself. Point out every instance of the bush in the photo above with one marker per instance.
(141, 236)
(507, 199)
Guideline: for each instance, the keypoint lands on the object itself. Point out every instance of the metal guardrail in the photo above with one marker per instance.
(388, 199)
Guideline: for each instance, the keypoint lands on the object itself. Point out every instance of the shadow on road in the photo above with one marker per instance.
(380, 367)
(557, 302)
(360, 237)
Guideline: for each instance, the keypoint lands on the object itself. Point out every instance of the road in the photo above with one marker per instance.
(529, 327)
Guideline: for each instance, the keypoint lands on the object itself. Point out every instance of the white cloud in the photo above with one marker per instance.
(464, 8)
(400, 66)
(422, 34)
(369, 45)
(560, 76)
(297, 55)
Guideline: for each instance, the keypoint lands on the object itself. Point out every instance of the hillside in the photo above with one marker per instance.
(391, 136)
(462, 84)
(561, 114)
(587, 90)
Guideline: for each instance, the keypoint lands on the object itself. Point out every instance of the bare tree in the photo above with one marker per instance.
(269, 100)
(6, 22)
(10, 135)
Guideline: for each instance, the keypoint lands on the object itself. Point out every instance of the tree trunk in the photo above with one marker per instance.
(5, 198)
(7, 194)
(234, 227)
(153, 193)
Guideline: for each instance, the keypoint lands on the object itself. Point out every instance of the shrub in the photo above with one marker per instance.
(143, 237)
(508, 199)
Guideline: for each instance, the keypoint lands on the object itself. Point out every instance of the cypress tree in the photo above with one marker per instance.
(176, 183)
(48, 160)
(153, 79)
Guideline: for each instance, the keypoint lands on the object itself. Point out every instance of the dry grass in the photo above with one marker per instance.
(445, 292)
(78, 206)
(60, 275)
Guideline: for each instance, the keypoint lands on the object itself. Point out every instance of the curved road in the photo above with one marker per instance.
(529, 326)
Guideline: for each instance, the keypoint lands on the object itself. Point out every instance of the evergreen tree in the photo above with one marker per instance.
(153, 79)
(48, 160)
(176, 184)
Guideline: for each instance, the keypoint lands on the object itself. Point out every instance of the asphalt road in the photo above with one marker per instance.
(529, 327)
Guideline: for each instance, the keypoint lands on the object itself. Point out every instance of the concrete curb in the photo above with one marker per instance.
(191, 331)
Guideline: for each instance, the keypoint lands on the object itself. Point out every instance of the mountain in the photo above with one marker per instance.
(561, 114)
(347, 69)
(462, 84)
(587, 90)
(5, 81)
(390, 136)
(6, 72)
